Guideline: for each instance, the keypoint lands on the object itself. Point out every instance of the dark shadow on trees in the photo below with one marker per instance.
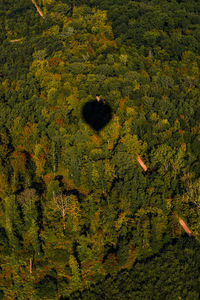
(97, 114)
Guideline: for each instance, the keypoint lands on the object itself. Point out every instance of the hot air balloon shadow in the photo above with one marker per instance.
(97, 114)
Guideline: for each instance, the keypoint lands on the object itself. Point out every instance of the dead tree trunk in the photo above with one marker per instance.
(30, 265)
(38, 9)
(185, 227)
(141, 163)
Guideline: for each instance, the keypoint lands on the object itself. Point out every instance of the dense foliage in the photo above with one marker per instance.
(79, 218)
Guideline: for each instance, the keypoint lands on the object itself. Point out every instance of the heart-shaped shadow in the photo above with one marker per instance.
(97, 114)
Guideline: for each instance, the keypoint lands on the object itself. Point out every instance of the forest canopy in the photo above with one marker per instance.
(110, 211)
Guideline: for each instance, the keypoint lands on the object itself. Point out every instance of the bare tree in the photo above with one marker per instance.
(62, 202)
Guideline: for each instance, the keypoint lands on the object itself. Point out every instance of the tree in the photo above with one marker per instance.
(61, 202)
(28, 200)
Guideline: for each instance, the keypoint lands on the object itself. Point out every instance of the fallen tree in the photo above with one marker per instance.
(15, 41)
(141, 163)
(38, 9)
(184, 226)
